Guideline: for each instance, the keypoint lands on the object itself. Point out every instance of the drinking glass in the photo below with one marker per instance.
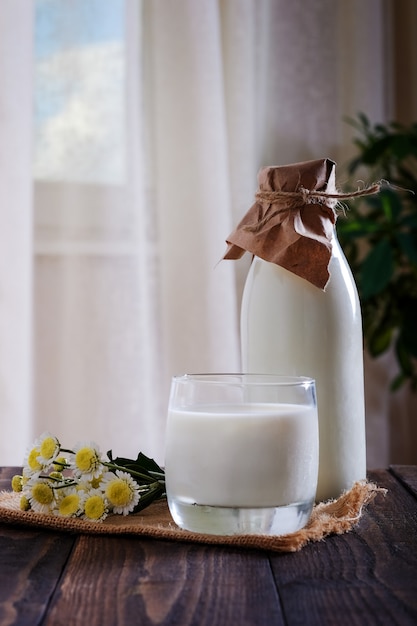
(241, 453)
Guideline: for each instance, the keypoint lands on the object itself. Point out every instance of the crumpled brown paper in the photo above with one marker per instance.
(294, 230)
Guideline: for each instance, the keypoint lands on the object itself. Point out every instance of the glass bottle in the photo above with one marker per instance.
(291, 326)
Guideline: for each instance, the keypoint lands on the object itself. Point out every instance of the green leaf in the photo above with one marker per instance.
(408, 244)
(373, 153)
(387, 276)
(149, 464)
(142, 464)
(401, 146)
(354, 230)
(409, 221)
(377, 270)
(354, 164)
(408, 335)
(391, 204)
(398, 382)
(380, 341)
(403, 357)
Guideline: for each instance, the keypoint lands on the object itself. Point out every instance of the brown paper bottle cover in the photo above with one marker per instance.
(291, 227)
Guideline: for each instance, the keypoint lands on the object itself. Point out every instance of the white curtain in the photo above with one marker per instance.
(131, 228)
(16, 249)
(152, 118)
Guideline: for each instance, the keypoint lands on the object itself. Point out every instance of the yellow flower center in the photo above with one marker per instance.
(69, 505)
(95, 483)
(17, 483)
(85, 459)
(59, 463)
(56, 476)
(48, 447)
(33, 460)
(24, 504)
(119, 492)
(94, 507)
(43, 493)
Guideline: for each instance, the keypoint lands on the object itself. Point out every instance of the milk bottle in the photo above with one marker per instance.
(300, 309)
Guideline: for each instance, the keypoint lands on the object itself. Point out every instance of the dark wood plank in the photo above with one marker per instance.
(6, 474)
(31, 563)
(112, 581)
(366, 576)
(407, 474)
(9, 471)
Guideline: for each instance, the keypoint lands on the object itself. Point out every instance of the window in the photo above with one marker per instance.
(79, 91)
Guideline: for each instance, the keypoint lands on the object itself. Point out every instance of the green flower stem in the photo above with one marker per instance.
(69, 482)
(161, 474)
(149, 479)
(152, 494)
(62, 465)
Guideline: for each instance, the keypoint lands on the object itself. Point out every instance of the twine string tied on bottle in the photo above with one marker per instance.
(304, 196)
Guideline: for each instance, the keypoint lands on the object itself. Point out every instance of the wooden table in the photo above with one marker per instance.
(366, 577)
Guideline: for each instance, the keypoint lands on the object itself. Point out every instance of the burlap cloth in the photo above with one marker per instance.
(333, 517)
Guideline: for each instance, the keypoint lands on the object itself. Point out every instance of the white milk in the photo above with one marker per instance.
(290, 327)
(248, 455)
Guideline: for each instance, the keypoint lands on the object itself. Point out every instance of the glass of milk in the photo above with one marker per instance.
(241, 453)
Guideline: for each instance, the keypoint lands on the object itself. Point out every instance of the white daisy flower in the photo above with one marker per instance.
(86, 461)
(121, 491)
(40, 495)
(49, 449)
(88, 485)
(69, 503)
(31, 463)
(26, 476)
(95, 505)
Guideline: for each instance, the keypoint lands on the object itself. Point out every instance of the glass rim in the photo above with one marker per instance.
(233, 378)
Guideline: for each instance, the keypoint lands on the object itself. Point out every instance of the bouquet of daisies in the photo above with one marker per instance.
(84, 483)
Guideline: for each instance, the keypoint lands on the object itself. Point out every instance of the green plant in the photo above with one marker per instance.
(379, 237)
